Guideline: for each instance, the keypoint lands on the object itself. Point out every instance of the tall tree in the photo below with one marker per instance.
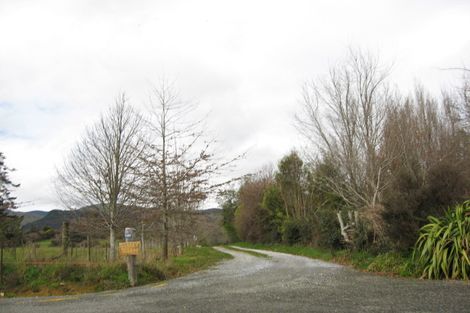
(9, 224)
(291, 179)
(7, 200)
(229, 202)
(250, 216)
(180, 163)
(101, 171)
(343, 116)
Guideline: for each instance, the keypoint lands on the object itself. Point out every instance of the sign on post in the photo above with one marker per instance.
(129, 248)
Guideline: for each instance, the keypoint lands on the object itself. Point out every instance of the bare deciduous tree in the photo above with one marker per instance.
(343, 117)
(101, 169)
(180, 163)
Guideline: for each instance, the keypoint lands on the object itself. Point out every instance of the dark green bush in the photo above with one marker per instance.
(443, 247)
(31, 273)
(329, 234)
(296, 232)
(149, 273)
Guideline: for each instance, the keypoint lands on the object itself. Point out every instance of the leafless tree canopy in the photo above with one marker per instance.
(101, 171)
(343, 115)
(179, 163)
(371, 136)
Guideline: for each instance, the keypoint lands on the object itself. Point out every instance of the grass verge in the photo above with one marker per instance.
(253, 253)
(68, 278)
(390, 263)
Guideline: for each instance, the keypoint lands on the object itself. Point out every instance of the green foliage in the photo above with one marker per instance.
(193, 259)
(311, 252)
(296, 232)
(387, 263)
(290, 178)
(329, 235)
(21, 277)
(390, 262)
(443, 246)
(274, 213)
(148, 273)
(251, 218)
(229, 201)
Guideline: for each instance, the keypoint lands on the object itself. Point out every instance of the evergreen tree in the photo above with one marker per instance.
(9, 225)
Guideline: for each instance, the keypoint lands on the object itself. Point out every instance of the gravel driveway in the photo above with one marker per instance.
(281, 283)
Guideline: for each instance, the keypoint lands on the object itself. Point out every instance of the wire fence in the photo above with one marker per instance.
(42, 253)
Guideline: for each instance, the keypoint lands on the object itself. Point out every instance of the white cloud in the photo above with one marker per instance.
(63, 62)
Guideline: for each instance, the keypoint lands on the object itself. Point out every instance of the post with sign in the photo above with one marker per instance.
(130, 249)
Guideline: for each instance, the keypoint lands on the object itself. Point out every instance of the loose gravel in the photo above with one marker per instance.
(281, 283)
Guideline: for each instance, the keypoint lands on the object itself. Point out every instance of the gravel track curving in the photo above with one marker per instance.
(281, 283)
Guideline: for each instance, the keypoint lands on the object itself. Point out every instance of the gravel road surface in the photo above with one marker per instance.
(281, 283)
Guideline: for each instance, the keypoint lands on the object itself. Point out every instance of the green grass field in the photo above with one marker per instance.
(43, 252)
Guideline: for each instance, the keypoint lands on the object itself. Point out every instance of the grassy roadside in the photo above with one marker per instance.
(253, 253)
(68, 278)
(393, 264)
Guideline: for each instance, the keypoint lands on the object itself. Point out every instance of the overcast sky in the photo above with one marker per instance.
(63, 62)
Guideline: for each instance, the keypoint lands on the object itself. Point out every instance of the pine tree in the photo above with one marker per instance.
(7, 201)
(9, 224)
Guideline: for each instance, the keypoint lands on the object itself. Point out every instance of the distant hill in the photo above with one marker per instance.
(208, 226)
(29, 217)
(211, 211)
(53, 219)
(208, 223)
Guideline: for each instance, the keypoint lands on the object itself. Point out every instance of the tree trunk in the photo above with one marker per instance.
(33, 245)
(165, 237)
(131, 269)
(142, 241)
(1, 262)
(112, 244)
(88, 244)
(65, 238)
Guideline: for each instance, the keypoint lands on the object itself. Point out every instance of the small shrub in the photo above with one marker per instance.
(444, 244)
(113, 276)
(35, 285)
(390, 262)
(31, 273)
(149, 273)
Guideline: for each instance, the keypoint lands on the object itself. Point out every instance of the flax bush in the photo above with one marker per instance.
(443, 246)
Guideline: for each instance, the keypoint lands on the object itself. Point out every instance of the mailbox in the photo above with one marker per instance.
(129, 234)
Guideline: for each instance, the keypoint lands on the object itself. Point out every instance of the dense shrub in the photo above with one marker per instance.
(443, 247)
(329, 234)
(296, 232)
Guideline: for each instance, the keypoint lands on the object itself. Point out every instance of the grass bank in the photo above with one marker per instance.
(390, 263)
(253, 253)
(67, 278)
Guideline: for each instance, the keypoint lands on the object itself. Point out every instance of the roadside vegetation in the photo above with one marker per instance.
(390, 263)
(380, 183)
(72, 277)
(443, 247)
(149, 171)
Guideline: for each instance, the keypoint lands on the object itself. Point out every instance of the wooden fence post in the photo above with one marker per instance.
(129, 234)
(65, 238)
